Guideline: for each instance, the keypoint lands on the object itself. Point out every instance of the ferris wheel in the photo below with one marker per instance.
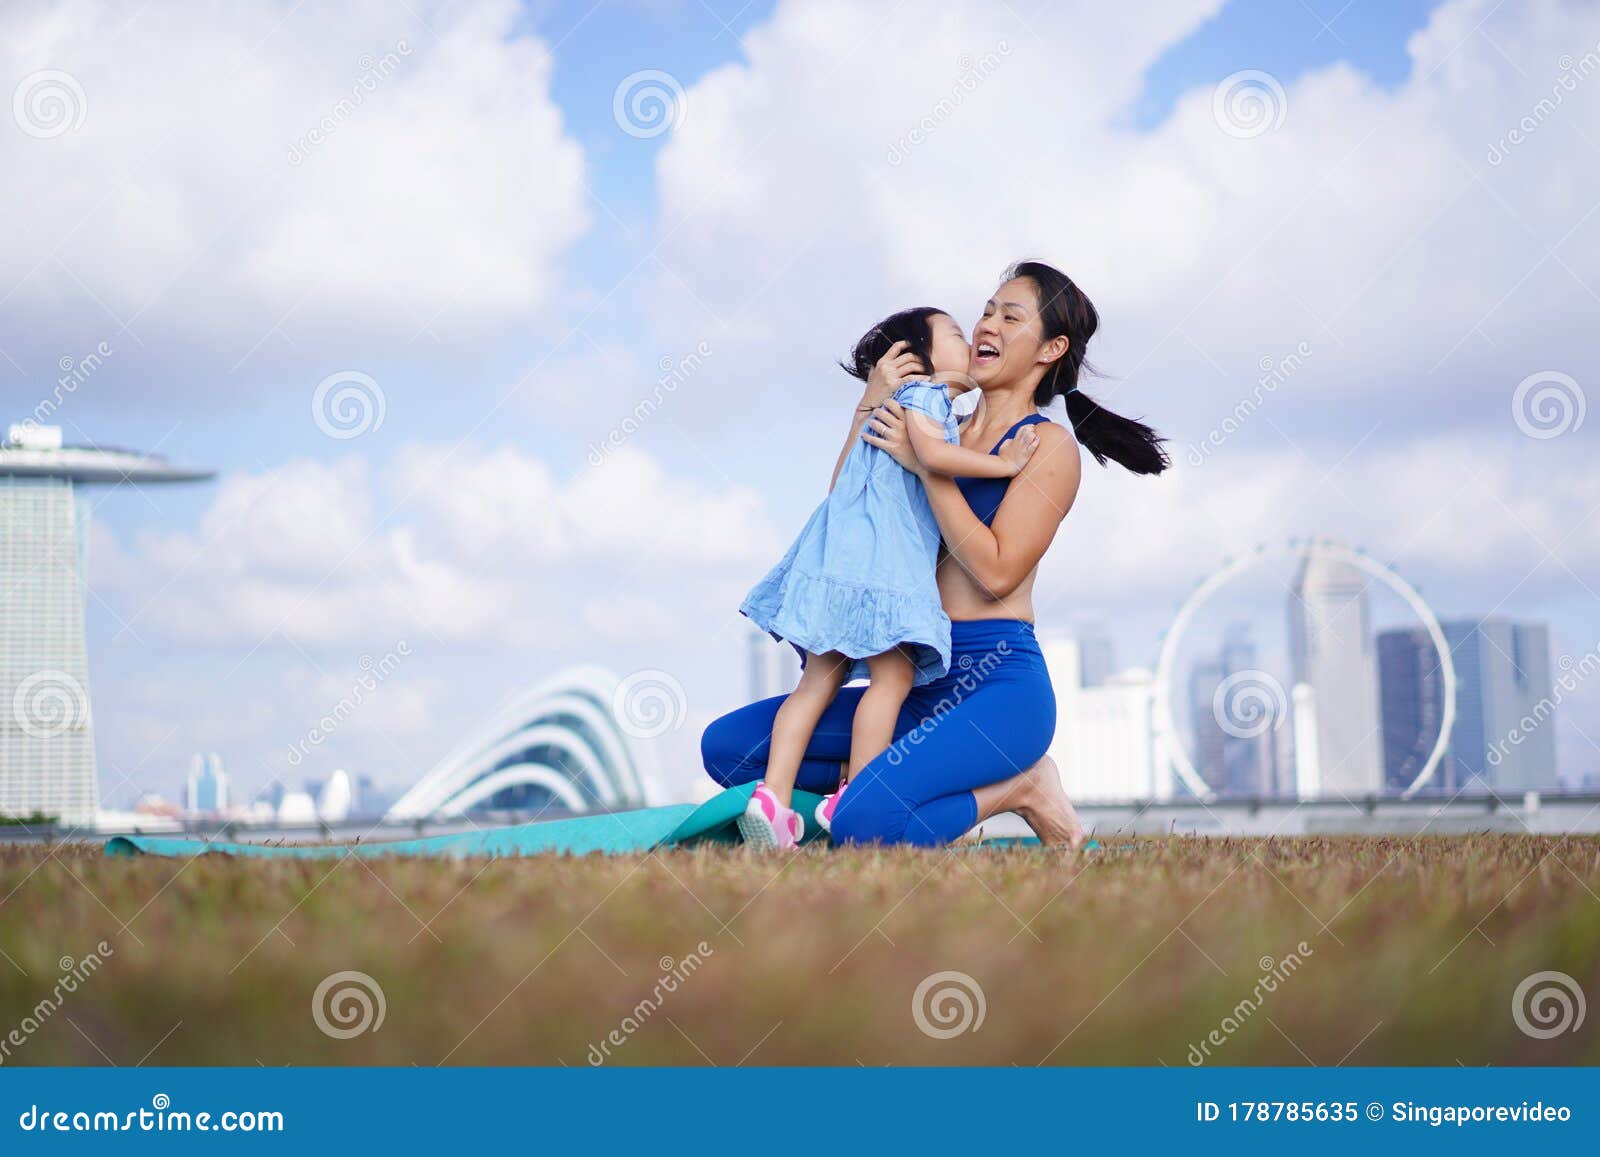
(1295, 548)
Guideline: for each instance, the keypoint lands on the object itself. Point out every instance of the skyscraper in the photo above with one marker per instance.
(1411, 687)
(1331, 651)
(47, 762)
(1503, 678)
(207, 789)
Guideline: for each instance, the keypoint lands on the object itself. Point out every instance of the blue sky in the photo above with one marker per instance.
(511, 267)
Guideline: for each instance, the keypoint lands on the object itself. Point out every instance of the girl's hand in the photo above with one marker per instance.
(897, 366)
(1016, 452)
(886, 429)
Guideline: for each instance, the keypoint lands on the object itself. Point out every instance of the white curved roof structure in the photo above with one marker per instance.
(555, 742)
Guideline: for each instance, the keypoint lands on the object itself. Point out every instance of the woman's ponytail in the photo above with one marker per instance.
(1064, 311)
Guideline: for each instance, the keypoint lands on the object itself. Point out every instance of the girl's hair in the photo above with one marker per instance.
(1064, 311)
(909, 325)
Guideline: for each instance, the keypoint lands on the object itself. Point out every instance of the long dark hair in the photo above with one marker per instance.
(1064, 311)
(909, 325)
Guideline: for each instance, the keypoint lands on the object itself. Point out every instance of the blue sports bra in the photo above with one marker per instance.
(984, 495)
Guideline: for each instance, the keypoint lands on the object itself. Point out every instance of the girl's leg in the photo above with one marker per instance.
(735, 747)
(892, 675)
(797, 719)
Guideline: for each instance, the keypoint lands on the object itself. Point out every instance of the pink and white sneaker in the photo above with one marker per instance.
(825, 810)
(767, 825)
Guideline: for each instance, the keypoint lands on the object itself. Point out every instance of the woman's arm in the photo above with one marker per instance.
(953, 461)
(891, 372)
(1000, 557)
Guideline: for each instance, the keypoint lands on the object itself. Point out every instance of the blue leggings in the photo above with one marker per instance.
(991, 716)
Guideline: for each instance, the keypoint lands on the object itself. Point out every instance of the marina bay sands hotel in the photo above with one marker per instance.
(47, 763)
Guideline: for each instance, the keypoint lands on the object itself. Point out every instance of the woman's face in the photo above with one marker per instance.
(1008, 341)
(948, 349)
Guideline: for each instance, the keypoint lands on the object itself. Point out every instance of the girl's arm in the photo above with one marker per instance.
(1000, 557)
(891, 372)
(941, 457)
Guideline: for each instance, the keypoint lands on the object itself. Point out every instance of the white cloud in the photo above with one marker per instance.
(455, 544)
(1370, 223)
(313, 168)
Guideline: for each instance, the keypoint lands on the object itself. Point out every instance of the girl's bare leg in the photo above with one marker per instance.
(892, 675)
(797, 719)
(1038, 797)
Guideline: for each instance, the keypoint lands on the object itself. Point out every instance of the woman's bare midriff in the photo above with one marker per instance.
(963, 600)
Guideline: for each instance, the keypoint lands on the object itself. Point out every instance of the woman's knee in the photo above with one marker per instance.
(724, 751)
(870, 811)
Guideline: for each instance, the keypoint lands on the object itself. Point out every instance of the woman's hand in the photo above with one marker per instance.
(886, 429)
(894, 369)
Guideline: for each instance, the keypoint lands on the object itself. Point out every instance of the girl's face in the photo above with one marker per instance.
(948, 348)
(1007, 342)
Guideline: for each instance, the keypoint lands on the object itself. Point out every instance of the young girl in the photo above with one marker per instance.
(856, 594)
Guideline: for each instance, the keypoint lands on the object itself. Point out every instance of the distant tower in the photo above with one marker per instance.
(1307, 773)
(1097, 656)
(1503, 733)
(1331, 650)
(208, 784)
(47, 762)
(1411, 700)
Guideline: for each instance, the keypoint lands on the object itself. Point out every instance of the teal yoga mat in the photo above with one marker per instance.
(674, 826)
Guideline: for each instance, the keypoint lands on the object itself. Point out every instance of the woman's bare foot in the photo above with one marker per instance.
(1044, 807)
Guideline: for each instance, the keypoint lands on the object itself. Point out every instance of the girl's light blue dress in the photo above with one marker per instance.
(860, 578)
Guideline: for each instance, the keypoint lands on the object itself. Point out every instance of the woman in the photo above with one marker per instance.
(972, 744)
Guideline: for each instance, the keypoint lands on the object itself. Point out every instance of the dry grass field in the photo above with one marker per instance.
(1292, 951)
